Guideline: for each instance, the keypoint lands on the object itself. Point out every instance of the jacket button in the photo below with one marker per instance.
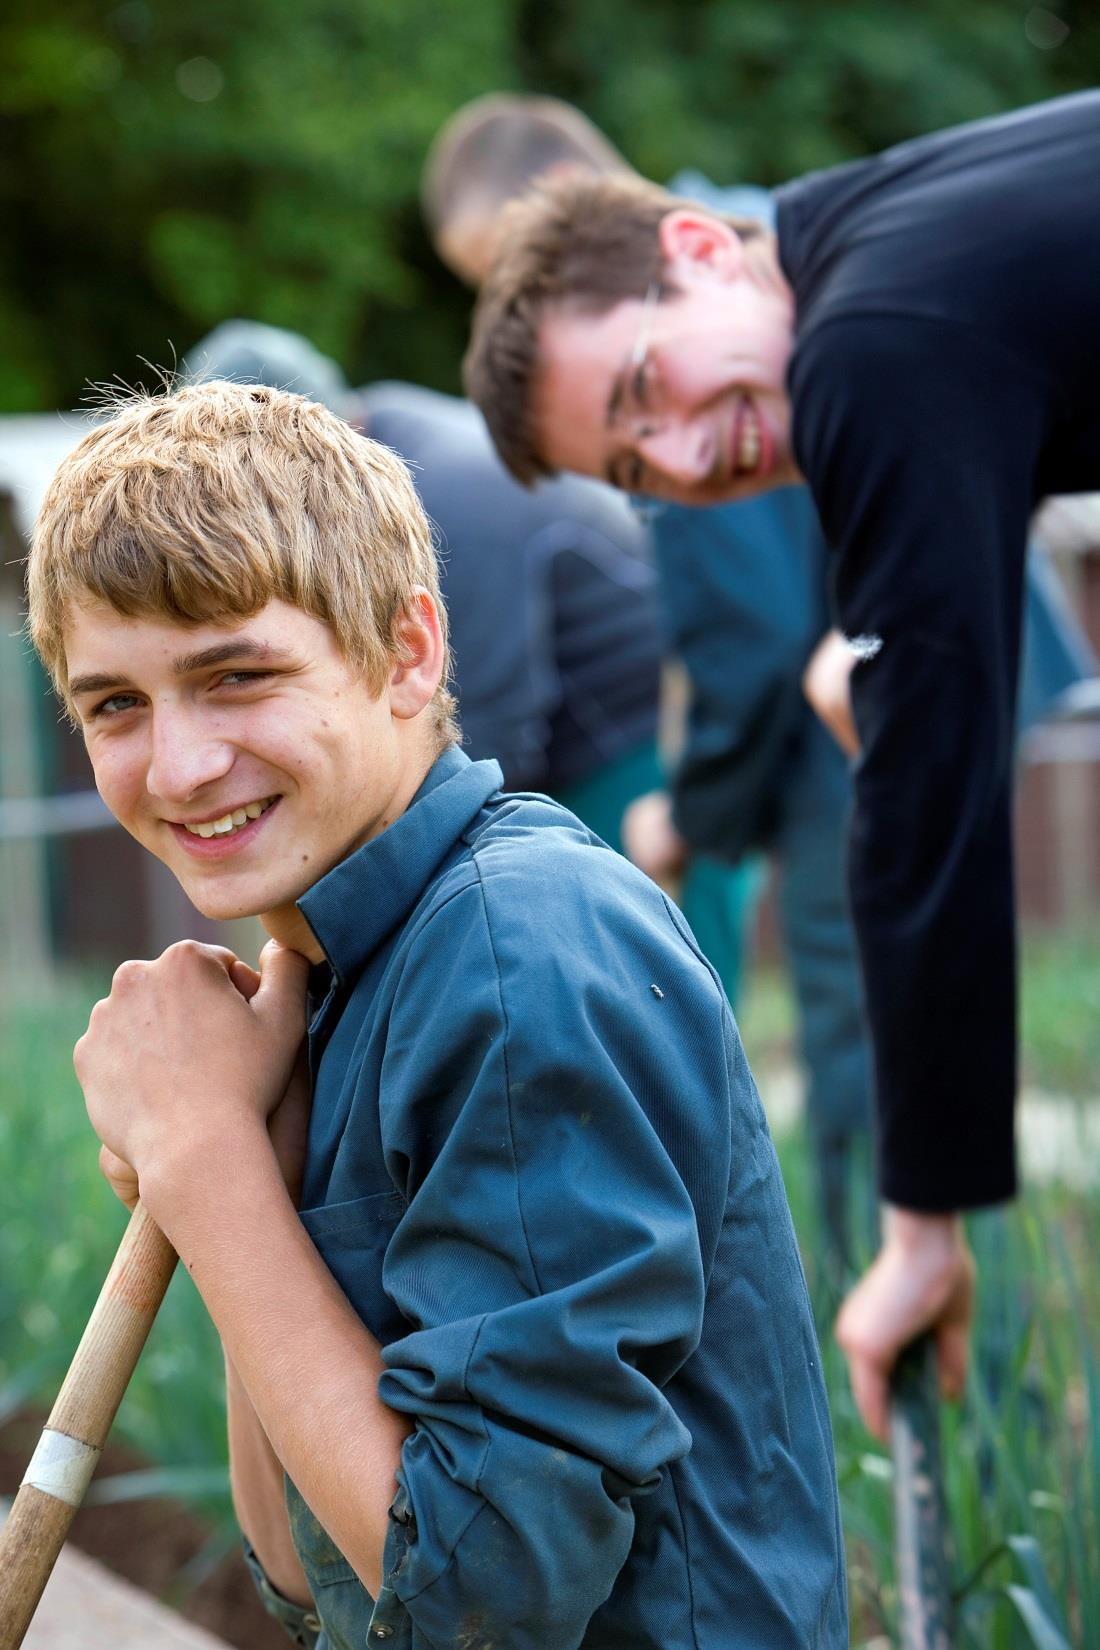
(382, 1632)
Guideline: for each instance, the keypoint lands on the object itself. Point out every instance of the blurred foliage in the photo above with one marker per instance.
(169, 166)
(1059, 1013)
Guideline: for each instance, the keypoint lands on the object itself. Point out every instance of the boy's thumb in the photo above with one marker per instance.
(284, 976)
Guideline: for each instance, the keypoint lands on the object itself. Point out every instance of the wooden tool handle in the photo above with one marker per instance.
(920, 1513)
(67, 1452)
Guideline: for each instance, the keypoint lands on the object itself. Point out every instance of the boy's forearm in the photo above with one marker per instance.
(307, 1364)
(259, 1499)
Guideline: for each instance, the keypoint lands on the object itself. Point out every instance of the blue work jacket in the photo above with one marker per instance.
(539, 1169)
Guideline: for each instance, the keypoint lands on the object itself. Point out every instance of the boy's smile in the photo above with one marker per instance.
(217, 838)
(248, 757)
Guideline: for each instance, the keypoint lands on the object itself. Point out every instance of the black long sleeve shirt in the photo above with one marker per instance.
(946, 375)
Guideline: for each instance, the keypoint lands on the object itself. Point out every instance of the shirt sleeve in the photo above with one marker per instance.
(550, 1256)
(301, 1623)
(919, 442)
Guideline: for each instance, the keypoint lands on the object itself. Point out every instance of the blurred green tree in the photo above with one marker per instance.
(168, 166)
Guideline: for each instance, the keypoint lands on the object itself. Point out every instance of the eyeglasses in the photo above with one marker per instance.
(633, 387)
(630, 410)
(645, 327)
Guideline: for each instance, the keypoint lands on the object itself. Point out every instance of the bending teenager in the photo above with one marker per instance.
(917, 341)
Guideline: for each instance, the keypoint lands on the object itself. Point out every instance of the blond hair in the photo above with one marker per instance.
(202, 504)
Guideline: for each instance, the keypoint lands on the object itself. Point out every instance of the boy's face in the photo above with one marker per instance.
(684, 399)
(258, 728)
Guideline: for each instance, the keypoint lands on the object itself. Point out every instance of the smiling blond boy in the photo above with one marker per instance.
(533, 1349)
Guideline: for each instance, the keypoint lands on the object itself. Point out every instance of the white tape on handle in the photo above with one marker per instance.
(62, 1467)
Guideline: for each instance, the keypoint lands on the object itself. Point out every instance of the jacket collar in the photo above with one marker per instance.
(359, 902)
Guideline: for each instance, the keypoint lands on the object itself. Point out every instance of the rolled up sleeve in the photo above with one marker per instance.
(300, 1621)
(551, 1259)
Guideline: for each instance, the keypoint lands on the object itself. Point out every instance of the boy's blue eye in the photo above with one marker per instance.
(231, 678)
(114, 706)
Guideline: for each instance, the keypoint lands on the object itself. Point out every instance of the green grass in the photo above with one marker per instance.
(60, 1230)
(1022, 1455)
(1021, 1458)
(1059, 1013)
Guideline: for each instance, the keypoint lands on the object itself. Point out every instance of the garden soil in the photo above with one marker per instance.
(149, 1542)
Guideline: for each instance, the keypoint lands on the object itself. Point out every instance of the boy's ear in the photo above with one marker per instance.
(419, 666)
(699, 247)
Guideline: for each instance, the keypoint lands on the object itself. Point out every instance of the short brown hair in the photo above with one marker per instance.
(492, 150)
(204, 503)
(575, 242)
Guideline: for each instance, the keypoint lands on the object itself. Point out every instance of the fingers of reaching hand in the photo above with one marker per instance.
(869, 1339)
(953, 1332)
(651, 839)
(826, 682)
(871, 1391)
(905, 1292)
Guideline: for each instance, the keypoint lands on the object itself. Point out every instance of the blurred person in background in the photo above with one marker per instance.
(877, 346)
(551, 601)
(743, 595)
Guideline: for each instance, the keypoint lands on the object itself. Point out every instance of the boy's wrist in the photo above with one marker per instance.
(185, 1177)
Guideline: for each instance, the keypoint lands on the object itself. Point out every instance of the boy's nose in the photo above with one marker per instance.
(184, 758)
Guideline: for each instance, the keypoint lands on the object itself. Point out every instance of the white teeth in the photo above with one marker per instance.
(748, 448)
(231, 821)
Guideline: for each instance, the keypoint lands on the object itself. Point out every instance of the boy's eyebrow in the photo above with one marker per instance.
(95, 683)
(238, 648)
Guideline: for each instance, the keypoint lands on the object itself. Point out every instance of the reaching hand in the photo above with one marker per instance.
(651, 840)
(922, 1279)
(827, 684)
